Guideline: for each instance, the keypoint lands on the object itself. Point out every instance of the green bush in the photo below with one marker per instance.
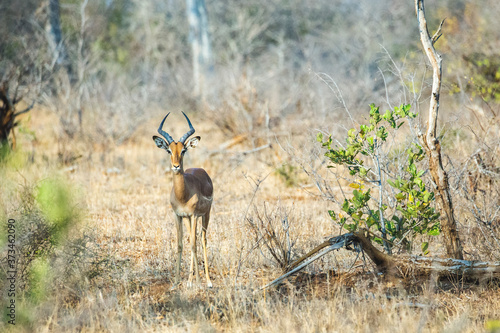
(52, 248)
(411, 212)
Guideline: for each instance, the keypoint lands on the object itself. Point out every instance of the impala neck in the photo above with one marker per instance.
(179, 185)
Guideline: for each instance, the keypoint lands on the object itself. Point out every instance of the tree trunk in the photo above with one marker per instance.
(8, 112)
(200, 45)
(59, 51)
(431, 143)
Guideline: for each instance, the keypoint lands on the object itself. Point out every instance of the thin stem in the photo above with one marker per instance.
(380, 201)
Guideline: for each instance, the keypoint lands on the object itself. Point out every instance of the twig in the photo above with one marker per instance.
(256, 149)
(25, 110)
(338, 93)
(438, 33)
(240, 261)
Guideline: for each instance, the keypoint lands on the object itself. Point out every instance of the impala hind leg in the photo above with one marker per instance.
(178, 224)
(204, 225)
(194, 258)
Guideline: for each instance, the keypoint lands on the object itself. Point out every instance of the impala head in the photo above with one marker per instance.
(176, 149)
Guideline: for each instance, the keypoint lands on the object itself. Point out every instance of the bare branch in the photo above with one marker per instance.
(25, 110)
(438, 33)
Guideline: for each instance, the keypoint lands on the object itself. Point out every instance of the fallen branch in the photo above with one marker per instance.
(334, 243)
(399, 267)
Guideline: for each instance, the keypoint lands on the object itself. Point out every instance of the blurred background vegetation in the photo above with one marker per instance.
(115, 60)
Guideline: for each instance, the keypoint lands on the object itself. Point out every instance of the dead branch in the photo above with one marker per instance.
(438, 33)
(398, 267)
(25, 110)
(334, 243)
(431, 143)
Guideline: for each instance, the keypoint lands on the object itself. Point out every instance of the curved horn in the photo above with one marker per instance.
(190, 132)
(162, 132)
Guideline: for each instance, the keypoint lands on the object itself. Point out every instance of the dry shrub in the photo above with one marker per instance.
(271, 233)
(244, 112)
(479, 189)
(476, 182)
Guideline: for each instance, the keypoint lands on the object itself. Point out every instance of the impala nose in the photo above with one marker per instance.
(176, 167)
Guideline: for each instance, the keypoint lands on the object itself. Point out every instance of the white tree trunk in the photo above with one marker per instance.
(200, 45)
(431, 142)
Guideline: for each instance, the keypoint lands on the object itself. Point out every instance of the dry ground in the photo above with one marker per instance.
(124, 193)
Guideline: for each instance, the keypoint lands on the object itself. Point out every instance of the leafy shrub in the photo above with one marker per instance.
(52, 254)
(411, 213)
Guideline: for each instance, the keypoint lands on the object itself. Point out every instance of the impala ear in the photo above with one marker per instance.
(160, 143)
(193, 142)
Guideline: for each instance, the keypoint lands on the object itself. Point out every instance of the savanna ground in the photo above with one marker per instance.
(89, 190)
(129, 244)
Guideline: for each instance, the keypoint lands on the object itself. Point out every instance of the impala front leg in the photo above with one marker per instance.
(194, 258)
(179, 249)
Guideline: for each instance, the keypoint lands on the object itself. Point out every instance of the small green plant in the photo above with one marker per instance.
(288, 174)
(410, 208)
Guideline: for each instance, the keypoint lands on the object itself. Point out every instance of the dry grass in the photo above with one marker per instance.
(125, 196)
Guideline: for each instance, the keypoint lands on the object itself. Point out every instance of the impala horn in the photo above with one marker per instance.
(163, 133)
(189, 133)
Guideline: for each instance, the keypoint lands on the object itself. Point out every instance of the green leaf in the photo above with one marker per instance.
(425, 246)
(434, 232)
(382, 133)
(427, 196)
(378, 240)
(357, 195)
(351, 227)
(389, 227)
(363, 129)
(345, 206)
(400, 196)
(412, 169)
(387, 115)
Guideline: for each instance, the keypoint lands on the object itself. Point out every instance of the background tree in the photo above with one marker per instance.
(56, 40)
(200, 44)
(24, 65)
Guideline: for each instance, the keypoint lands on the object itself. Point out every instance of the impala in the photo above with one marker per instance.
(191, 197)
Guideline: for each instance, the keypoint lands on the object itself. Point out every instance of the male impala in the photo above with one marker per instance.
(191, 197)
